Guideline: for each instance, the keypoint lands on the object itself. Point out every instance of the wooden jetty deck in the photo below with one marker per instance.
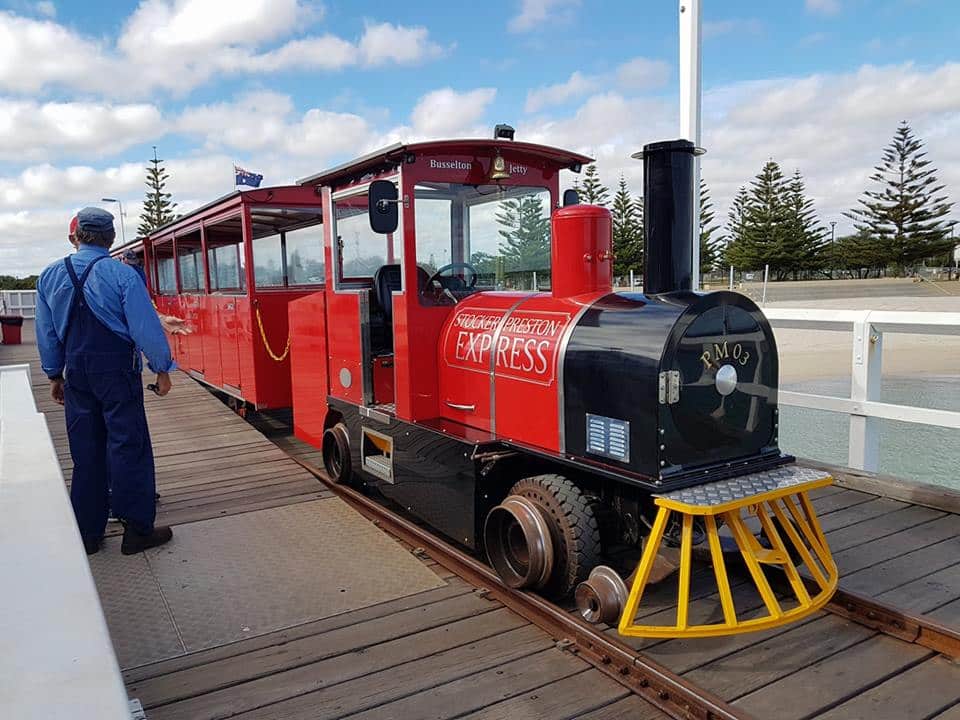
(450, 652)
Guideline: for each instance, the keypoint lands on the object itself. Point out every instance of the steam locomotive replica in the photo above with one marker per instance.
(460, 353)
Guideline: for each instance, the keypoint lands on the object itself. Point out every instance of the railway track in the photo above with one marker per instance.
(648, 679)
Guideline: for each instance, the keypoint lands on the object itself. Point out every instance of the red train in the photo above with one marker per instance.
(443, 323)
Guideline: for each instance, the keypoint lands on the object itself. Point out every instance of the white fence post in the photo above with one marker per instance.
(865, 387)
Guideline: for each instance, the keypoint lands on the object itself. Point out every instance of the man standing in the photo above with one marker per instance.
(94, 319)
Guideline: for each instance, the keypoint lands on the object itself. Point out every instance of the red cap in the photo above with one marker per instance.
(73, 226)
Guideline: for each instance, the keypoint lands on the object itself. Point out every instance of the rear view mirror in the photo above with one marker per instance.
(382, 206)
(571, 197)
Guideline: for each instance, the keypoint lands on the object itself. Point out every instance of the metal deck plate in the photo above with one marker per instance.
(738, 488)
(140, 624)
(231, 578)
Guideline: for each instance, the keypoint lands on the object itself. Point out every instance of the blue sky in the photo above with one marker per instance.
(287, 87)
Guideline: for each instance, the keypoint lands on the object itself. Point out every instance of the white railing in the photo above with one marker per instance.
(59, 661)
(18, 302)
(864, 406)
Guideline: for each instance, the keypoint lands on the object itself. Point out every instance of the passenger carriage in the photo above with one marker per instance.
(230, 268)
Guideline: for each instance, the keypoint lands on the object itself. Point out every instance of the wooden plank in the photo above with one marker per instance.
(834, 679)
(454, 588)
(880, 527)
(484, 688)
(951, 714)
(919, 493)
(567, 698)
(921, 691)
(839, 501)
(948, 614)
(926, 593)
(901, 543)
(781, 655)
(684, 655)
(258, 671)
(901, 570)
(371, 690)
(630, 708)
(859, 513)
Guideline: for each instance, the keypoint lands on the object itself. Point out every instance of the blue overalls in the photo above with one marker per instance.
(106, 422)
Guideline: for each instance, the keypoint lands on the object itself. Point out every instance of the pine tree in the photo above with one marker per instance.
(805, 237)
(157, 207)
(906, 216)
(593, 192)
(709, 248)
(766, 226)
(525, 237)
(627, 232)
(736, 253)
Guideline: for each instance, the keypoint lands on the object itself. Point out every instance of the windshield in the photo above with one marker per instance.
(501, 234)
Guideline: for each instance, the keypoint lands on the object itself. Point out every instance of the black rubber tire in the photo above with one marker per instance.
(336, 453)
(573, 526)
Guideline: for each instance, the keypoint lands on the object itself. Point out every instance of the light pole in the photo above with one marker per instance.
(123, 232)
(833, 231)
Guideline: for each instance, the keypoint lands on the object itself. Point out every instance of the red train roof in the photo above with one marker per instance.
(394, 154)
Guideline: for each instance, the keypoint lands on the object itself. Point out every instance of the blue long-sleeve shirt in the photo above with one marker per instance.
(117, 297)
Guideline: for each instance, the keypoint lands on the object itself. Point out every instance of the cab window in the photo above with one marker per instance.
(484, 237)
(359, 250)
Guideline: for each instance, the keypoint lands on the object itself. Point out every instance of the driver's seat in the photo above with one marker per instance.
(386, 279)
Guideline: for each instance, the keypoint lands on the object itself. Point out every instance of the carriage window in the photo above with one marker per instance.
(190, 260)
(268, 262)
(287, 246)
(225, 259)
(166, 270)
(226, 270)
(500, 233)
(305, 256)
(361, 250)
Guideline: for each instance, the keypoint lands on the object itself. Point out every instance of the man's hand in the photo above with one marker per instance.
(56, 391)
(175, 325)
(163, 384)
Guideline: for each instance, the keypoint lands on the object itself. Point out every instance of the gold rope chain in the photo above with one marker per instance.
(263, 336)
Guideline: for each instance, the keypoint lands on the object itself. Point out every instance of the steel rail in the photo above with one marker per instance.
(653, 682)
(890, 620)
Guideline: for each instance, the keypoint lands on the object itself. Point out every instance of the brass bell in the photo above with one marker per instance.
(499, 169)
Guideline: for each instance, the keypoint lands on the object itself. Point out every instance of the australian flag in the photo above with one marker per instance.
(245, 177)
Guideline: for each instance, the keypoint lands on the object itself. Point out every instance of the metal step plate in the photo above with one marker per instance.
(781, 479)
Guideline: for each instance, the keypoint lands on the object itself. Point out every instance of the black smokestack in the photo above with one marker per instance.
(669, 234)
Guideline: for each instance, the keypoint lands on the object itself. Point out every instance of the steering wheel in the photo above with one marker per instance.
(474, 273)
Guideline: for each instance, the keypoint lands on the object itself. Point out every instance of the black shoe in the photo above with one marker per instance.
(134, 542)
(92, 545)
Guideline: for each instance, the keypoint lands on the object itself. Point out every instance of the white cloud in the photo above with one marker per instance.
(637, 74)
(536, 13)
(576, 85)
(46, 8)
(385, 43)
(832, 127)
(716, 28)
(822, 7)
(176, 46)
(446, 112)
(32, 131)
(643, 74)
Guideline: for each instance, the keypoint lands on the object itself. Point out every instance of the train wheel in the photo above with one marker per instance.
(336, 453)
(574, 535)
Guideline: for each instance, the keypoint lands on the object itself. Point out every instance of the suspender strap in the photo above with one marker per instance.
(78, 284)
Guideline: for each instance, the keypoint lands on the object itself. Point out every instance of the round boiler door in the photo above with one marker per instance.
(346, 379)
(726, 380)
